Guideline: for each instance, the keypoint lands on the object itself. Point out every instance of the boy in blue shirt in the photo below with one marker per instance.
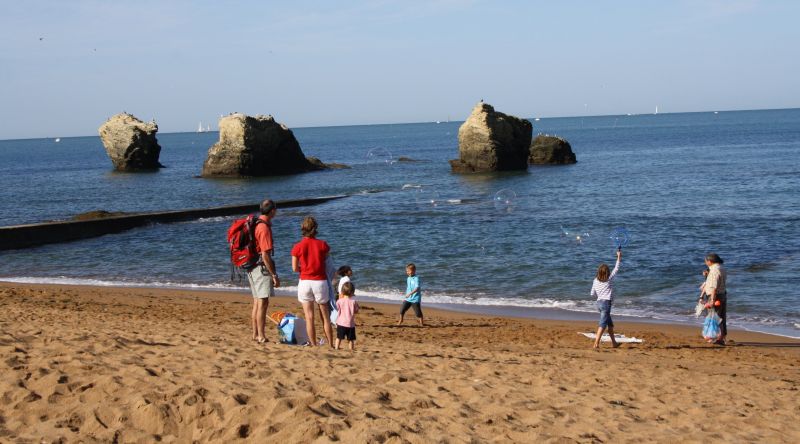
(413, 295)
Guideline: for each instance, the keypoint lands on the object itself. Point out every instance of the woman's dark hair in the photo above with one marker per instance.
(343, 270)
(309, 227)
(714, 258)
(602, 273)
(267, 206)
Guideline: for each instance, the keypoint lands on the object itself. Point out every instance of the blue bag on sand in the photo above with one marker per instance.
(286, 330)
(711, 329)
(292, 330)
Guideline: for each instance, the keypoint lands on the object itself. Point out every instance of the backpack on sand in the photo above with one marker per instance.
(242, 242)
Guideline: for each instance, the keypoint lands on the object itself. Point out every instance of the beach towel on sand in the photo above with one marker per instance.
(607, 338)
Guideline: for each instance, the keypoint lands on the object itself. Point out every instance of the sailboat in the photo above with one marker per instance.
(200, 128)
(656, 110)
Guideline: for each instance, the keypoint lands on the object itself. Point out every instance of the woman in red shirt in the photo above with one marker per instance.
(308, 258)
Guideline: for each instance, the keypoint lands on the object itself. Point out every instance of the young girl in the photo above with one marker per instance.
(603, 289)
(346, 322)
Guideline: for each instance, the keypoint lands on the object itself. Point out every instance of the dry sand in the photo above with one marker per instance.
(143, 365)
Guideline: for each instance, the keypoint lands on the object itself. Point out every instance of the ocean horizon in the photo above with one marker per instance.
(531, 118)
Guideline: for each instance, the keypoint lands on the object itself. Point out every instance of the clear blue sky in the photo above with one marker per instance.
(66, 66)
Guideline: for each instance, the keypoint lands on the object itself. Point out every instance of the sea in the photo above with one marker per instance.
(681, 185)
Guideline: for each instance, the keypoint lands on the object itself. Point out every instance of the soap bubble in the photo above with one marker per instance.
(619, 237)
(504, 200)
(380, 155)
(575, 237)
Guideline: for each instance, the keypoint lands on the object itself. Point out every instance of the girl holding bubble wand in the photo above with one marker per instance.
(603, 290)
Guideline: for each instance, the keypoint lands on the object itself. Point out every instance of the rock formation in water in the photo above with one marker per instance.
(492, 141)
(320, 165)
(255, 146)
(551, 150)
(130, 143)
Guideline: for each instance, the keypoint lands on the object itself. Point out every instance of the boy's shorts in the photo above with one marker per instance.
(345, 332)
(417, 308)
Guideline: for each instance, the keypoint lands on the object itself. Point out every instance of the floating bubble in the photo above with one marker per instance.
(577, 237)
(380, 155)
(504, 200)
(619, 237)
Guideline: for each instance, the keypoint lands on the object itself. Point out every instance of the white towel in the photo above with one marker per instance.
(607, 338)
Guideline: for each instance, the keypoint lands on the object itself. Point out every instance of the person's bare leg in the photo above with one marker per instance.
(338, 342)
(614, 342)
(352, 345)
(400, 321)
(263, 304)
(308, 312)
(600, 331)
(325, 312)
(421, 321)
(254, 319)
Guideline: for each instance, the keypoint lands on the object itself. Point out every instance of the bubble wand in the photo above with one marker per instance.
(620, 237)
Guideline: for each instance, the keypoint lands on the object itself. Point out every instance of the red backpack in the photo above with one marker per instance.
(242, 242)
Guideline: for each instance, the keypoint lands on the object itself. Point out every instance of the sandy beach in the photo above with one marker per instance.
(86, 364)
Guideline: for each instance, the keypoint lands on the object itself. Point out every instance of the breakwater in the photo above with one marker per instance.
(30, 235)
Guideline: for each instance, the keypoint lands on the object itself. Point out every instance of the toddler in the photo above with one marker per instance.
(346, 322)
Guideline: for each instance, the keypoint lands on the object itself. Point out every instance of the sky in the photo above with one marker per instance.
(67, 66)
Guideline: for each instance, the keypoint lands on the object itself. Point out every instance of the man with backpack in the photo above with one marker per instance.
(263, 278)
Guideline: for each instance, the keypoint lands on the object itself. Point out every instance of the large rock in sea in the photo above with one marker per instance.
(551, 150)
(255, 146)
(492, 141)
(130, 143)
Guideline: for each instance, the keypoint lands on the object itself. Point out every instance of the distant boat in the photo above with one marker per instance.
(200, 128)
(438, 121)
(716, 112)
(537, 119)
(58, 139)
(656, 110)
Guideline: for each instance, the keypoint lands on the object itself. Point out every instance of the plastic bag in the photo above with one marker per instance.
(698, 309)
(711, 328)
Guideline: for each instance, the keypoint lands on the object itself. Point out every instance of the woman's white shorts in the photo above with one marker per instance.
(313, 291)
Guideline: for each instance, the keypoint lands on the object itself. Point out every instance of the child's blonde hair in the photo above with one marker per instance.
(602, 273)
(348, 289)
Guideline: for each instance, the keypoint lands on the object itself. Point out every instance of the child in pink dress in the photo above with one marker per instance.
(346, 322)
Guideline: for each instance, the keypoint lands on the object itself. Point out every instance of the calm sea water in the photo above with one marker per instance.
(681, 184)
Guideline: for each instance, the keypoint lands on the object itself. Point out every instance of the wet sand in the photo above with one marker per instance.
(142, 365)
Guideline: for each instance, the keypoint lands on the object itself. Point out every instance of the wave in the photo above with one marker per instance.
(779, 327)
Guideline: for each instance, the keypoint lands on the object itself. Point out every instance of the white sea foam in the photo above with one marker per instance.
(584, 306)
